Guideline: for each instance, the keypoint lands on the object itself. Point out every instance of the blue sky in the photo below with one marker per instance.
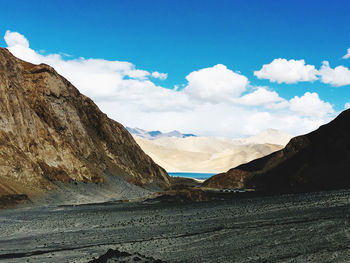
(180, 37)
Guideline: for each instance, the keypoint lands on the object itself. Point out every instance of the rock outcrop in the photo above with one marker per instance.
(115, 256)
(316, 161)
(50, 132)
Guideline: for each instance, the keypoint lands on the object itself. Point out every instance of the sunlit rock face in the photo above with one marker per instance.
(50, 132)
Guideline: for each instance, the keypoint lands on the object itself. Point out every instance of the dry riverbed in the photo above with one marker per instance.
(291, 228)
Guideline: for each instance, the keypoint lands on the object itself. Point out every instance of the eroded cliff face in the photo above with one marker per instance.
(50, 132)
(316, 161)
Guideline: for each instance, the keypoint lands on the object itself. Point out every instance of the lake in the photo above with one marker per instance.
(201, 176)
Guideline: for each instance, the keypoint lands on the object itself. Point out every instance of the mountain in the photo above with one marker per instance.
(51, 134)
(210, 154)
(316, 161)
(272, 136)
(151, 135)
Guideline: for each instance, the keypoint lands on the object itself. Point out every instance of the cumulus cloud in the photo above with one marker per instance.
(281, 70)
(311, 105)
(158, 75)
(261, 96)
(15, 39)
(339, 76)
(347, 105)
(215, 84)
(104, 80)
(347, 55)
(137, 74)
(210, 103)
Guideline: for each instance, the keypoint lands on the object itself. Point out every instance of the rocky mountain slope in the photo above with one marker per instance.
(50, 132)
(210, 154)
(319, 160)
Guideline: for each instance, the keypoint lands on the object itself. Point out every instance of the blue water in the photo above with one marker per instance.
(193, 175)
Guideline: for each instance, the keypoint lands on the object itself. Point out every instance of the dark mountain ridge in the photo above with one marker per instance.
(316, 161)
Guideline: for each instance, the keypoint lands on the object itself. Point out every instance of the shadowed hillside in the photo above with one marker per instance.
(319, 160)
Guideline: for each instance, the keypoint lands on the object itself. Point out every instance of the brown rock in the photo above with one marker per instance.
(50, 132)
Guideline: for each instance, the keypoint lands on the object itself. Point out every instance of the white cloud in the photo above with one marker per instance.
(311, 105)
(261, 96)
(281, 70)
(15, 39)
(215, 84)
(105, 80)
(347, 105)
(339, 76)
(158, 75)
(137, 74)
(210, 104)
(347, 55)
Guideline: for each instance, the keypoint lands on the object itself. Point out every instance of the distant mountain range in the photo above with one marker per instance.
(152, 135)
(209, 154)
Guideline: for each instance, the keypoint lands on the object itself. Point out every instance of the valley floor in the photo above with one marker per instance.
(292, 228)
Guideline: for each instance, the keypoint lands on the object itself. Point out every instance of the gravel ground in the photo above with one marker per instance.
(291, 228)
